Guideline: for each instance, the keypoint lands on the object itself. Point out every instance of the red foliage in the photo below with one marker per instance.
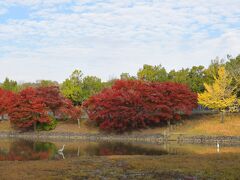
(27, 108)
(5, 99)
(136, 104)
(69, 111)
(51, 97)
(34, 105)
(57, 104)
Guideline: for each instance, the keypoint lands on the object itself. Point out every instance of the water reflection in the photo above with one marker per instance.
(23, 150)
(119, 148)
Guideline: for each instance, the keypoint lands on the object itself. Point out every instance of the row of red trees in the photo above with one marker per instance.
(133, 104)
(127, 105)
(34, 106)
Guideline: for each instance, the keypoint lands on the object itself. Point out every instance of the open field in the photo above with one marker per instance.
(195, 125)
(224, 166)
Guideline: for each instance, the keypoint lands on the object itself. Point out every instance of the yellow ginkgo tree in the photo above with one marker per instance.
(220, 95)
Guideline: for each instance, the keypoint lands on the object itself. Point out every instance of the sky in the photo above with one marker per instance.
(48, 39)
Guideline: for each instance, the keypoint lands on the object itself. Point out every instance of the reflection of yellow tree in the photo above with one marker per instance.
(220, 95)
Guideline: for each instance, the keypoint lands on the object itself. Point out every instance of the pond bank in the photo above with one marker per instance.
(152, 138)
(201, 139)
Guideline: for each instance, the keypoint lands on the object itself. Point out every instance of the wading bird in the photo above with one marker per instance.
(61, 150)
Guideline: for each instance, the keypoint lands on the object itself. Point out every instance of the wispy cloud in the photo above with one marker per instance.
(105, 38)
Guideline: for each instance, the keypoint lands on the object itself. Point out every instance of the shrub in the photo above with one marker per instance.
(131, 104)
(48, 126)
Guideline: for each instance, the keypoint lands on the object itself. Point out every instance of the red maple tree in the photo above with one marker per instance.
(35, 105)
(51, 97)
(133, 104)
(27, 109)
(5, 99)
(60, 106)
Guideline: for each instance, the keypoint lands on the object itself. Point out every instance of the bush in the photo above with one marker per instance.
(48, 126)
(131, 104)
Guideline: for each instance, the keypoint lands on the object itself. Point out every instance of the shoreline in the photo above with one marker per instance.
(146, 138)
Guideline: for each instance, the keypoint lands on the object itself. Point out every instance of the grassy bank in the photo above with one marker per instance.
(195, 125)
(210, 166)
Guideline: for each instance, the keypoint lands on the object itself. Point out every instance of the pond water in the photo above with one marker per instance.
(26, 150)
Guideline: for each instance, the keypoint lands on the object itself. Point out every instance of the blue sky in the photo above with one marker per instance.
(48, 39)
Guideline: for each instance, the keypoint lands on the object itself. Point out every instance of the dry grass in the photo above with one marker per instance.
(202, 125)
(166, 167)
(5, 126)
(73, 127)
(210, 125)
(196, 125)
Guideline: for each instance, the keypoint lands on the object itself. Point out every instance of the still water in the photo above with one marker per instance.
(26, 150)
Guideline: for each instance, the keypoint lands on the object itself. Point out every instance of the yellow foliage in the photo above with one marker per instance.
(219, 95)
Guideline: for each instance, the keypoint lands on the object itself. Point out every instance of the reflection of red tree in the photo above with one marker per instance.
(31, 156)
(105, 152)
(108, 149)
(25, 151)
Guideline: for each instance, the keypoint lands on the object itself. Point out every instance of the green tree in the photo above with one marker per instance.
(72, 87)
(233, 67)
(180, 76)
(90, 86)
(196, 78)
(127, 76)
(10, 85)
(153, 73)
(78, 88)
(46, 83)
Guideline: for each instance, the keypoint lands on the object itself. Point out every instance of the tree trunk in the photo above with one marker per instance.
(222, 117)
(78, 123)
(35, 126)
(169, 125)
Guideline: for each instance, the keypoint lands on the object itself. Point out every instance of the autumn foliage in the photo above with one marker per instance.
(60, 106)
(5, 99)
(133, 104)
(34, 106)
(27, 109)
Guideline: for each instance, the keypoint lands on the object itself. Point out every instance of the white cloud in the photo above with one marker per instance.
(107, 38)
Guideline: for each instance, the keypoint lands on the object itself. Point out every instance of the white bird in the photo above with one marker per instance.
(61, 153)
(61, 150)
(218, 147)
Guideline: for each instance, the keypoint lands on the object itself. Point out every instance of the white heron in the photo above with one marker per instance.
(218, 147)
(61, 150)
(61, 153)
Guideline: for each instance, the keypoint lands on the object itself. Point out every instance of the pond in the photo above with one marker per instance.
(26, 150)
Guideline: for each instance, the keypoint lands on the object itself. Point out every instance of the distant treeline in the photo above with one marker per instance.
(79, 87)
